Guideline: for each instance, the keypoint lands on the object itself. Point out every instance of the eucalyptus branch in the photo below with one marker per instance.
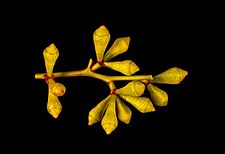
(113, 107)
(89, 73)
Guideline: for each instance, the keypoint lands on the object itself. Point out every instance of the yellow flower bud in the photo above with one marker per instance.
(158, 96)
(50, 54)
(171, 76)
(126, 67)
(142, 104)
(54, 107)
(109, 121)
(124, 113)
(97, 112)
(101, 39)
(58, 89)
(119, 46)
(133, 88)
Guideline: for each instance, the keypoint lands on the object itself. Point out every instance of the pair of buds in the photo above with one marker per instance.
(55, 89)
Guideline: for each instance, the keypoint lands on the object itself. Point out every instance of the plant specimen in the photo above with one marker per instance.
(113, 107)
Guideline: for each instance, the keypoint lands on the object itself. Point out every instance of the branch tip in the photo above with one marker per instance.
(90, 63)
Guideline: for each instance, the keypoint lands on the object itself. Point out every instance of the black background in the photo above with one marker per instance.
(162, 36)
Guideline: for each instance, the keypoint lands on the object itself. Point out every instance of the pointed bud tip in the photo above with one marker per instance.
(51, 49)
(91, 120)
(55, 115)
(102, 31)
(126, 121)
(182, 73)
(102, 26)
(180, 70)
(52, 45)
(149, 108)
(127, 40)
(185, 73)
(54, 111)
(153, 109)
(109, 128)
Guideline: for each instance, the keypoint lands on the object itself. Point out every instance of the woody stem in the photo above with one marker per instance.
(89, 73)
